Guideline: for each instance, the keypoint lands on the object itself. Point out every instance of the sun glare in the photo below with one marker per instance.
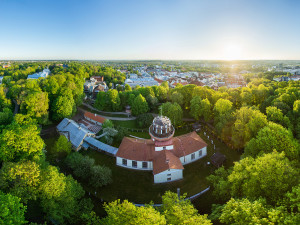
(232, 51)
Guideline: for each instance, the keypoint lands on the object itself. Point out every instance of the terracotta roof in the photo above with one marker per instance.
(144, 149)
(165, 160)
(94, 117)
(136, 149)
(187, 144)
(163, 143)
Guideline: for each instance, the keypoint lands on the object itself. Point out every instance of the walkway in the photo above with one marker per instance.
(189, 198)
(16, 107)
(98, 145)
(109, 117)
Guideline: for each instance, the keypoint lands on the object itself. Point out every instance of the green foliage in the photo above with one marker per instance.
(140, 106)
(248, 122)
(273, 137)
(126, 213)
(107, 123)
(20, 142)
(62, 107)
(62, 197)
(36, 105)
(275, 115)
(144, 120)
(6, 117)
(110, 133)
(179, 211)
(243, 211)
(269, 176)
(62, 146)
(172, 111)
(11, 210)
(84, 167)
(200, 108)
(176, 97)
(21, 179)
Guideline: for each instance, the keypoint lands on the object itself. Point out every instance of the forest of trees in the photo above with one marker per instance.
(262, 121)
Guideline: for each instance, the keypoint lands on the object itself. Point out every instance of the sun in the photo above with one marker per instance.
(232, 51)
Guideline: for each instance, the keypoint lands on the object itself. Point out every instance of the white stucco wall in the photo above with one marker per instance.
(169, 147)
(188, 158)
(172, 173)
(119, 161)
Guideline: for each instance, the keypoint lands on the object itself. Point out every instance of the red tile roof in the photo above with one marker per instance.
(144, 149)
(94, 117)
(165, 160)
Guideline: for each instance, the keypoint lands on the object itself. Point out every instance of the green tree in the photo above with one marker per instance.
(114, 100)
(20, 142)
(179, 211)
(275, 115)
(273, 137)
(248, 122)
(100, 176)
(172, 111)
(139, 106)
(127, 87)
(269, 176)
(144, 120)
(62, 146)
(242, 211)
(107, 123)
(176, 97)
(11, 210)
(127, 213)
(21, 179)
(36, 105)
(63, 107)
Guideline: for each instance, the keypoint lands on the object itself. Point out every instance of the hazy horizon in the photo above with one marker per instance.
(150, 30)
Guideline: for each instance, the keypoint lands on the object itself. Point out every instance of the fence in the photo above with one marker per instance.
(191, 198)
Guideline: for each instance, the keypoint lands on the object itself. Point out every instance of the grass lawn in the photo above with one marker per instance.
(138, 187)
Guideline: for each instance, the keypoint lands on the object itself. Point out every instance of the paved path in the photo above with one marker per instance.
(111, 118)
(189, 198)
(16, 107)
(116, 113)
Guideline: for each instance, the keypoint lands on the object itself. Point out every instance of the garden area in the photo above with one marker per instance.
(138, 186)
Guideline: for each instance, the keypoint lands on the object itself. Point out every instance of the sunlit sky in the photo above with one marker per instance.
(150, 29)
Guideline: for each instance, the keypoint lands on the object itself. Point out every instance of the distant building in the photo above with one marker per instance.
(42, 74)
(143, 82)
(164, 154)
(95, 85)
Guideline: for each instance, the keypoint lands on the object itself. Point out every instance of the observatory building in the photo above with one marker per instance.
(164, 154)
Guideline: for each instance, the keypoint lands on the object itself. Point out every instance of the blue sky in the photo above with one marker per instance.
(150, 29)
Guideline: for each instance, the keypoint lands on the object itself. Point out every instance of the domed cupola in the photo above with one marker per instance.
(161, 129)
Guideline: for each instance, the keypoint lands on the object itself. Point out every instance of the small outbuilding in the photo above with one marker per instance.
(217, 159)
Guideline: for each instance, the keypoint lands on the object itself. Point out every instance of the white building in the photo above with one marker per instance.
(164, 154)
(42, 74)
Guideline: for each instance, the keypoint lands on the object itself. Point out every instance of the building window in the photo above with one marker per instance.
(134, 164)
(169, 178)
(193, 156)
(124, 162)
(200, 153)
(169, 175)
(145, 165)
